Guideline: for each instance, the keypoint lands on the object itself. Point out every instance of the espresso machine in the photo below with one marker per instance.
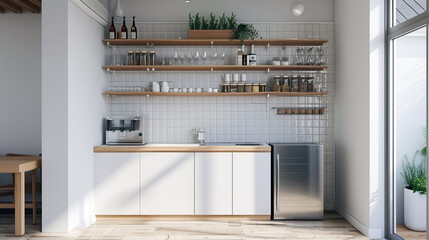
(124, 130)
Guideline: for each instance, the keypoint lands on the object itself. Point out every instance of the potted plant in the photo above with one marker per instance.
(245, 31)
(414, 175)
(211, 28)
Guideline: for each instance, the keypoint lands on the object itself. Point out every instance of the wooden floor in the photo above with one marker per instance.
(408, 234)
(333, 227)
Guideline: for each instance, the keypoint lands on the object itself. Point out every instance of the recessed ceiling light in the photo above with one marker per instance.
(187, 1)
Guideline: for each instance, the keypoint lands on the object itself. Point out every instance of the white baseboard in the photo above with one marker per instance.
(371, 233)
(88, 221)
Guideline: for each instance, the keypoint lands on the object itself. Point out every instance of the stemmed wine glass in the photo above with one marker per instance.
(204, 57)
(214, 57)
(189, 58)
(196, 58)
(223, 58)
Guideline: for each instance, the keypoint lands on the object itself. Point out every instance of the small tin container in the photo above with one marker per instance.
(255, 87)
(262, 87)
(248, 87)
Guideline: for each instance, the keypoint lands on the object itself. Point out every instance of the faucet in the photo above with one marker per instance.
(200, 134)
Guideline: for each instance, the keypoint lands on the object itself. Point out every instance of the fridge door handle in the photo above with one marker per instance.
(278, 182)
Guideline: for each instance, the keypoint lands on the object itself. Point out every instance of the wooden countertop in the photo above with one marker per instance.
(182, 148)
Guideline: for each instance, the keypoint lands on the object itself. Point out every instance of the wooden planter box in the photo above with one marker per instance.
(210, 34)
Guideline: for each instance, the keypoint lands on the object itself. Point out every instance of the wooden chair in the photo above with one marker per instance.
(7, 190)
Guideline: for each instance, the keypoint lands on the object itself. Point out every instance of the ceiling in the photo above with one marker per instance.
(20, 6)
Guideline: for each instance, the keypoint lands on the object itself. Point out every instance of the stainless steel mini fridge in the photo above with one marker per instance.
(297, 182)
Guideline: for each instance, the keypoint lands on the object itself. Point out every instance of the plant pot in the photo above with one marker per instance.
(210, 34)
(414, 210)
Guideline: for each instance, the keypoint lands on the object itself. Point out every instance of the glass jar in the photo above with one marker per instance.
(262, 87)
(152, 58)
(294, 84)
(303, 84)
(234, 88)
(276, 83)
(130, 58)
(248, 87)
(226, 88)
(143, 58)
(240, 87)
(137, 58)
(310, 84)
(286, 85)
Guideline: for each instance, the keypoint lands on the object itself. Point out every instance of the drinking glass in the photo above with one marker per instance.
(189, 58)
(182, 59)
(214, 57)
(196, 58)
(204, 57)
(223, 58)
(175, 58)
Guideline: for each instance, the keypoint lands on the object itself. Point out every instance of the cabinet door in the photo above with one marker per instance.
(213, 183)
(251, 184)
(167, 183)
(116, 184)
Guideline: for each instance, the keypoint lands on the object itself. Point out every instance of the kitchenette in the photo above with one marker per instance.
(190, 121)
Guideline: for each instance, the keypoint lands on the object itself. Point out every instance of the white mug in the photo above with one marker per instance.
(198, 90)
(164, 84)
(155, 87)
(209, 90)
(235, 78)
(190, 90)
(227, 78)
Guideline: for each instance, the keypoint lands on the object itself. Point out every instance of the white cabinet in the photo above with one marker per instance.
(251, 184)
(167, 183)
(116, 184)
(213, 183)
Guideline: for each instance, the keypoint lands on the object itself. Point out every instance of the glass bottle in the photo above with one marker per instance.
(124, 30)
(112, 30)
(134, 29)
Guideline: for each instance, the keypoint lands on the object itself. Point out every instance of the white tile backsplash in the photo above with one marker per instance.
(228, 119)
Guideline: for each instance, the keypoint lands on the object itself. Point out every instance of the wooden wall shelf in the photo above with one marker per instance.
(291, 94)
(216, 68)
(215, 42)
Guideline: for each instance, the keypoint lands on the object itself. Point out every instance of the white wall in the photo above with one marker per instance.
(246, 10)
(73, 107)
(360, 114)
(86, 106)
(20, 88)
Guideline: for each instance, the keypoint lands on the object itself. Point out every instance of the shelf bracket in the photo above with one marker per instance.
(108, 70)
(268, 70)
(153, 69)
(108, 44)
(211, 44)
(147, 95)
(268, 45)
(147, 69)
(211, 69)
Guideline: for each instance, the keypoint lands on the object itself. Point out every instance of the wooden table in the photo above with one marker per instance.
(19, 165)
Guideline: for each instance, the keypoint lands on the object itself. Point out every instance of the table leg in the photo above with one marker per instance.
(19, 204)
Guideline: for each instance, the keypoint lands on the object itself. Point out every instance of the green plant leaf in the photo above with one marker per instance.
(212, 23)
(232, 22)
(197, 21)
(204, 24)
(191, 22)
(414, 174)
(245, 31)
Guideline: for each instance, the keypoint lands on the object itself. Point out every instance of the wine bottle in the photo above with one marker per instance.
(124, 31)
(134, 29)
(112, 30)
